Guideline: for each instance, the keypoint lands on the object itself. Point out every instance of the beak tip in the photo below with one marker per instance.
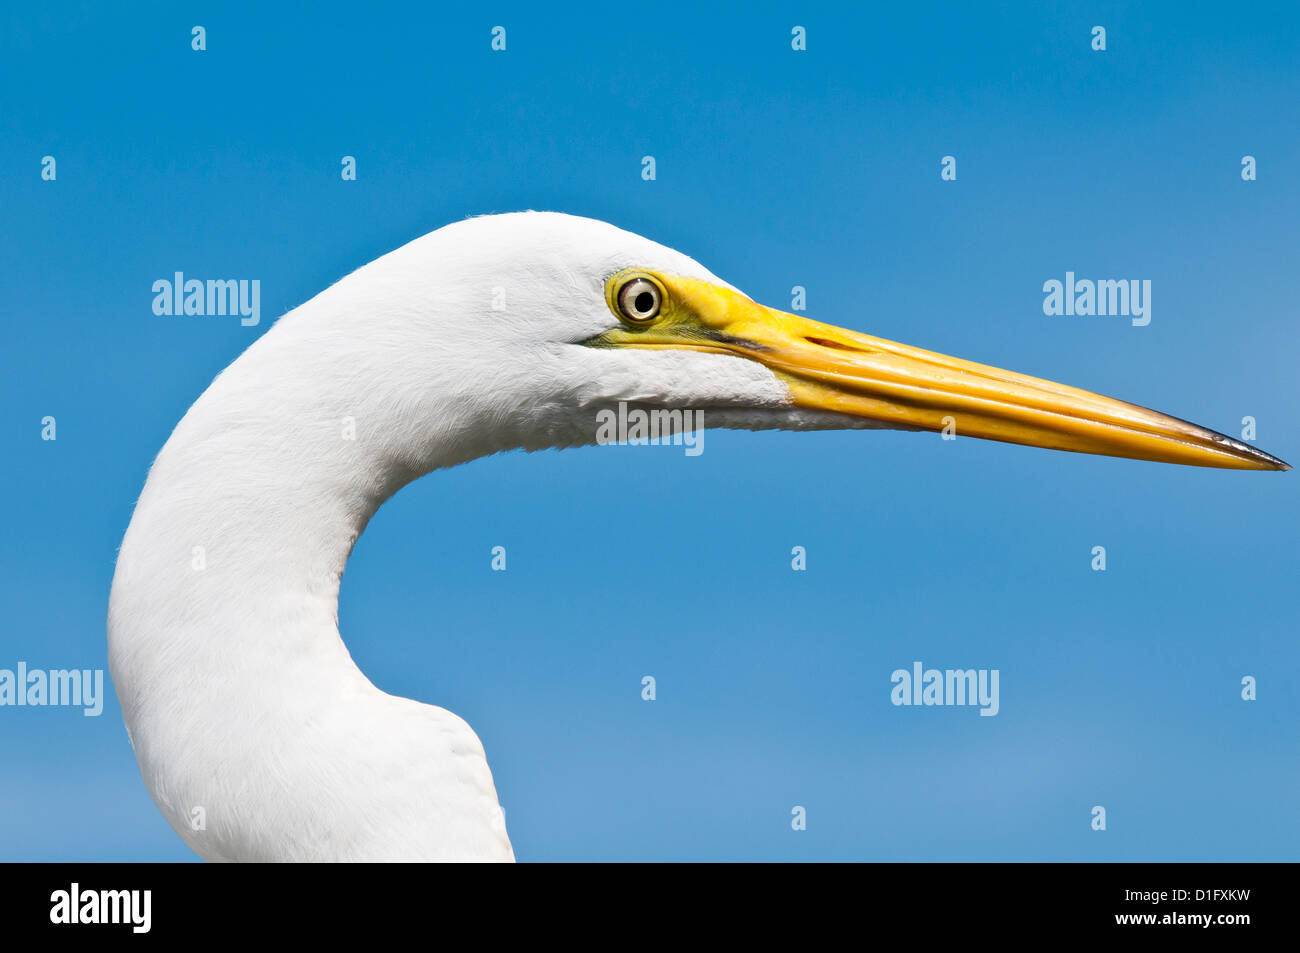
(1256, 458)
(1269, 462)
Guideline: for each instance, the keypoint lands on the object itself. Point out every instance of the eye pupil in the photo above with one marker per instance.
(645, 301)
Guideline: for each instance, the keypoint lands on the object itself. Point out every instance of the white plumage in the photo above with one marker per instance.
(256, 734)
(241, 700)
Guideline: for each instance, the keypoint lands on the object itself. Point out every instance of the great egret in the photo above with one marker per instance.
(256, 734)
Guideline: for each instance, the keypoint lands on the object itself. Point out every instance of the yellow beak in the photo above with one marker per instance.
(832, 369)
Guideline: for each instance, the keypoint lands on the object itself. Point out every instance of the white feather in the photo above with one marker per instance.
(241, 700)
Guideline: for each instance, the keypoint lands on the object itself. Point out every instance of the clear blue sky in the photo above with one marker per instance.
(775, 168)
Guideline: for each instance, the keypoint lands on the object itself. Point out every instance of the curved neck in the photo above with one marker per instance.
(239, 695)
(239, 540)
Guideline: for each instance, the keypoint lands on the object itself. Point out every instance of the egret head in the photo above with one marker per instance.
(491, 334)
(568, 317)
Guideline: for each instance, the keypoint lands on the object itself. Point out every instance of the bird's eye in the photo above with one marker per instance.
(639, 300)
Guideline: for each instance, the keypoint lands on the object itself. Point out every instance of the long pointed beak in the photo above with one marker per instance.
(830, 368)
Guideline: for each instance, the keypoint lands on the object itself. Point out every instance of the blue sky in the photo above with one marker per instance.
(775, 168)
